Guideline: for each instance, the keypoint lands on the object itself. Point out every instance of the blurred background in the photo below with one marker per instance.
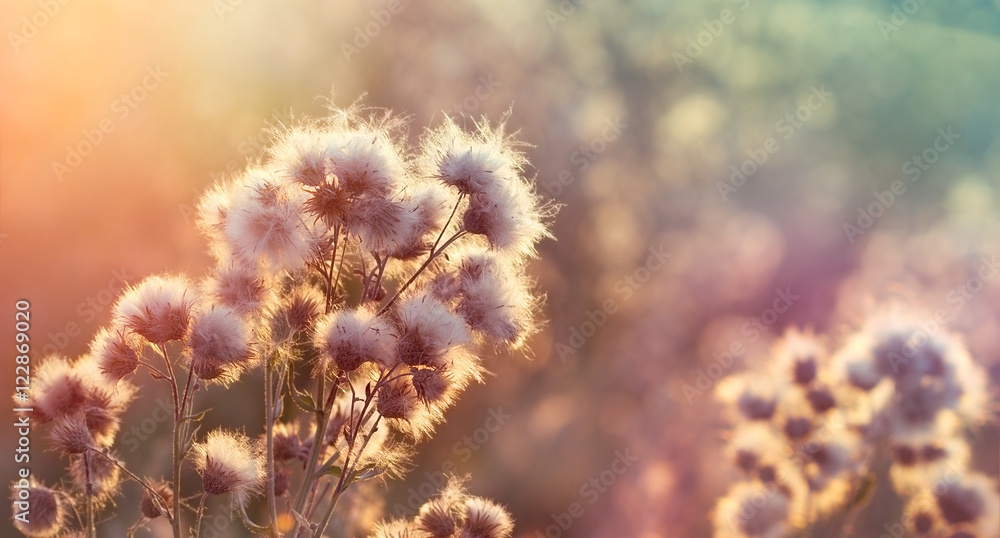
(711, 158)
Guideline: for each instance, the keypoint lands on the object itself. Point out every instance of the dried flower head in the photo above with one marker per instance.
(485, 167)
(239, 286)
(427, 331)
(287, 445)
(750, 396)
(397, 399)
(495, 299)
(752, 510)
(429, 204)
(229, 463)
(973, 500)
(153, 508)
(78, 388)
(265, 223)
(431, 385)
(302, 308)
(116, 352)
(301, 155)
(95, 474)
(158, 308)
(219, 344)
(797, 356)
(44, 510)
(485, 519)
(350, 338)
(71, 435)
(436, 519)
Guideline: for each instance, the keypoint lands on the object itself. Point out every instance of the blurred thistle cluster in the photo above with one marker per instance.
(816, 430)
(366, 279)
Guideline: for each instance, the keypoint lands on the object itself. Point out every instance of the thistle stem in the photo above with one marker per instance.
(91, 527)
(434, 254)
(201, 512)
(319, 442)
(272, 505)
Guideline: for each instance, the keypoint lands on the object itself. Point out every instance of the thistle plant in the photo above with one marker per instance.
(365, 280)
(815, 433)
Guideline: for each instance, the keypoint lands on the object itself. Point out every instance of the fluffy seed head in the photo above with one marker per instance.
(495, 299)
(432, 385)
(71, 435)
(797, 356)
(240, 287)
(47, 512)
(821, 400)
(383, 225)
(148, 506)
(300, 155)
(158, 308)
(485, 167)
(486, 519)
(265, 223)
(751, 510)
(58, 388)
(750, 396)
(349, 338)
(435, 519)
(287, 445)
(115, 352)
(63, 388)
(366, 161)
(229, 463)
(304, 306)
(470, 162)
(973, 500)
(397, 399)
(427, 330)
(219, 344)
(104, 476)
(429, 204)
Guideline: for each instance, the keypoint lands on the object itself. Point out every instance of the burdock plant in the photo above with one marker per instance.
(362, 278)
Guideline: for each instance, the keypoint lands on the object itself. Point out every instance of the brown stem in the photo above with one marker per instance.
(201, 512)
(91, 526)
(272, 505)
(430, 258)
